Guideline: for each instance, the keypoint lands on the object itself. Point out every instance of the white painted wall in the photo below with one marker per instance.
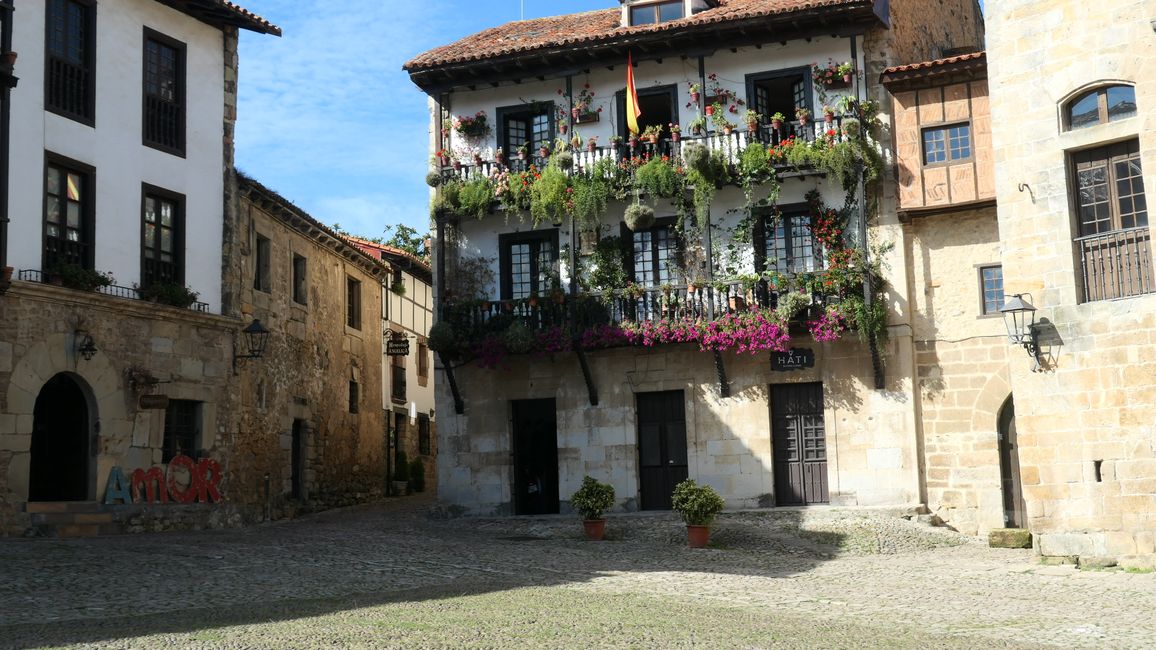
(114, 148)
(414, 313)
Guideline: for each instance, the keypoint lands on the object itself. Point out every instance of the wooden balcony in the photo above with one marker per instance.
(1116, 264)
(732, 145)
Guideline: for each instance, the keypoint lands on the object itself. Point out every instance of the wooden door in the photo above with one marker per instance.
(1009, 467)
(800, 444)
(661, 447)
(535, 424)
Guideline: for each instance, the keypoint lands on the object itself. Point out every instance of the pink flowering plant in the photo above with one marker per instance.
(472, 126)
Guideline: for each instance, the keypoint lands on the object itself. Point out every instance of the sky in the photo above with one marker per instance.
(328, 119)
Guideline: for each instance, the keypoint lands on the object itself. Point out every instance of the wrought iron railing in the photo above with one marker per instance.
(162, 123)
(67, 87)
(1116, 264)
(116, 291)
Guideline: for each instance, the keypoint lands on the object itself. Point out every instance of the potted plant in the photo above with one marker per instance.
(753, 119)
(592, 143)
(442, 338)
(697, 125)
(500, 156)
(846, 70)
(523, 152)
(591, 500)
(698, 505)
(652, 133)
(711, 109)
(777, 120)
(167, 293)
(75, 276)
(615, 142)
(433, 179)
(401, 475)
(398, 288)
(638, 216)
(828, 114)
(633, 291)
(802, 114)
(695, 91)
(675, 131)
(544, 149)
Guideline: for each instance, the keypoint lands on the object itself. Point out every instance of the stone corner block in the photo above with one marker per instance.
(1009, 538)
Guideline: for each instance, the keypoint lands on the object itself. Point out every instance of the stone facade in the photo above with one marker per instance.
(318, 385)
(1087, 444)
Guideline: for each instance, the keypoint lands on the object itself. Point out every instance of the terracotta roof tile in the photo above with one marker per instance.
(937, 63)
(225, 11)
(591, 27)
(270, 28)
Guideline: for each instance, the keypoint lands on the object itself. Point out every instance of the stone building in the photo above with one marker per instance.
(1072, 92)
(311, 425)
(407, 384)
(565, 349)
(116, 341)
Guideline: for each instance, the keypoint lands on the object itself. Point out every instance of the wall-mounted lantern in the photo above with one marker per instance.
(85, 346)
(256, 338)
(1020, 318)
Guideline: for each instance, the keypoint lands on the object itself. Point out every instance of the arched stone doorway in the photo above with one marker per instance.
(1009, 467)
(61, 431)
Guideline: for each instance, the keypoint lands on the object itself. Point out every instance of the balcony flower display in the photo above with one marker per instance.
(472, 126)
(832, 74)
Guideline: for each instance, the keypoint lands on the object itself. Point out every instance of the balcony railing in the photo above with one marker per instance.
(476, 319)
(732, 145)
(34, 275)
(68, 87)
(1117, 264)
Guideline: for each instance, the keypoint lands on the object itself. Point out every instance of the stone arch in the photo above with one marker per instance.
(61, 463)
(1068, 100)
(986, 409)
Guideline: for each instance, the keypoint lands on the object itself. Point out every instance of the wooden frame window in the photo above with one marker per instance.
(300, 280)
(785, 243)
(780, 91)
(655, 253)
(162, 236)
(69, 212)
(422, 359)
(397, 383)
(1112, 222)
(528, 125)
(656, 12)
(659, 105)
(70, 59)
(991, 289)
(164, 93)
(354, 396)
(423, 437)
(182, 429)
(529, 263)
(353, 303)
(946, 144)
(261, 264)
(1100, 106)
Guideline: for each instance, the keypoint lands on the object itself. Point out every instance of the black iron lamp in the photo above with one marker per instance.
(85, 346)
(256, 338)
(1020, 318)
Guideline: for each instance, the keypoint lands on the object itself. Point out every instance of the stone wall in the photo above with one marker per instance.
(870, 434)
(305, 374)
(1087, 440)
(188, 351)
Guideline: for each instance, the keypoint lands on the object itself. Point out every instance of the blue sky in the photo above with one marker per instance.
(328, 119)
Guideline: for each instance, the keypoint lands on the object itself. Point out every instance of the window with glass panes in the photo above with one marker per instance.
(658, 12)
(300, 280)
(71, 47)
(1100, 106)
(67, 216)
(164, 111)
(991, 284)
(655, 255)
(790, 246)
(182, 429)
(947, 143)
(1110, 188)
(161, 239)
(529, 263)
(520, 127)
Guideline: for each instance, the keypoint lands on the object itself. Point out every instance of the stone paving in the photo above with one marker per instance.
(828, 566)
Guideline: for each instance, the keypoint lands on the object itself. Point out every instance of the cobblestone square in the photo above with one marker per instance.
(389, 576)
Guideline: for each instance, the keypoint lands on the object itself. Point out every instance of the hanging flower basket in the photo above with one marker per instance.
(639, 217)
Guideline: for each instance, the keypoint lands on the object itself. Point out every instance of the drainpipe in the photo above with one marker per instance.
(8, 82)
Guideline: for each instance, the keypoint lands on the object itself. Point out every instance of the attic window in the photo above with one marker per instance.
(656, 12)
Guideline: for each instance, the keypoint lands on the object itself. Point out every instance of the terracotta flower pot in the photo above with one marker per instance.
(522, 155)
(697, 536)
(776, 124)
(727, 130)
(563, 128)
(694, 97)
(829, 117)
(591, 146)
(457, 165)
(574, 112)
(544, 152)
(752, 126)
(847, 78)
(595, 529)
(709, 110)
(676, 136)
(737, 303)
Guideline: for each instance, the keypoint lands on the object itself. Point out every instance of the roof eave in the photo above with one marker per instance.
(218, 15)
(692, 40)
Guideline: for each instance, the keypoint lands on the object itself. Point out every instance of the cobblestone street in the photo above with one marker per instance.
(367, 577)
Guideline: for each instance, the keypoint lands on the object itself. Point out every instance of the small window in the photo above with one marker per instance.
(70, 84)
(164, 93)
(991, 286)
(529, 127)
(397, 379)
(655, 255)
(658, 12)
(1101, 106)
(946, 144)
(162, 238)
(182, 429)
(68, 226)
(300, 287)
(529, 263)
(423, 446)
(789, 244)
(422, 360)
(353, 303)
(354, 396)
(264, 253)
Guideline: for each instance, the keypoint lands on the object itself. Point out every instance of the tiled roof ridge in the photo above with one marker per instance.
(936, 63)
(389, 249)
(569, 30)
(229, 4)
(244, 18)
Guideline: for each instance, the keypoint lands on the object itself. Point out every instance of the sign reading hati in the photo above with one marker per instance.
(793, 359)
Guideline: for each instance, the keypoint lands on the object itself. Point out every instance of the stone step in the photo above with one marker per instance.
(65, 518)
(33, 507)
(78, 530)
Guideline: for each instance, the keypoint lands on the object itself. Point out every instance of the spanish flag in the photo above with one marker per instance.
(632, 110)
